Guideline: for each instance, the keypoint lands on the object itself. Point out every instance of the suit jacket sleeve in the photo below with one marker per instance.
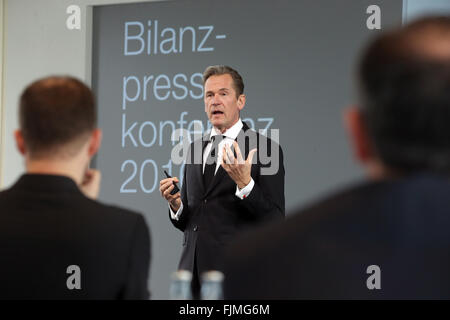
(266, 200)
(184, 216)
(136, 286)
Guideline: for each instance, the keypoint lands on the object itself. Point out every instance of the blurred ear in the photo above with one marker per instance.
(95, 142)
(20, 142)
(357, 130)
(241, 102)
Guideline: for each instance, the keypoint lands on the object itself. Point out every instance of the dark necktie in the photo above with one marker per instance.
(211, 161)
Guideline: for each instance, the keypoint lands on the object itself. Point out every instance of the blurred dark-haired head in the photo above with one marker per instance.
(56, 116)
(404, 85)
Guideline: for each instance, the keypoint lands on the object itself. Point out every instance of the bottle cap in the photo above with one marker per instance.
(183, 275)
(212, 275)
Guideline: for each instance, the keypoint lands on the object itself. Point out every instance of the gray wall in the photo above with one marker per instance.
(413, 9)
(38, 43)
(2, 118)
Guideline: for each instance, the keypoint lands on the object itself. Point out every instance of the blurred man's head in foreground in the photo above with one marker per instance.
(402, 124)
(58, 127)
(57, 117)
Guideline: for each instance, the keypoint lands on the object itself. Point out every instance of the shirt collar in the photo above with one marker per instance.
(231, 133)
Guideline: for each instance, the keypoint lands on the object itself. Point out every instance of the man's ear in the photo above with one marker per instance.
(95, 142)
(241, 102)
(20, 142)
(357, 130)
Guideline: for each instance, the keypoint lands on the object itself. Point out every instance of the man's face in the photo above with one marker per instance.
(221, 104)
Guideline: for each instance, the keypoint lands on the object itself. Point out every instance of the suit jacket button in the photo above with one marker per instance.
(205, 201)
(195, 228)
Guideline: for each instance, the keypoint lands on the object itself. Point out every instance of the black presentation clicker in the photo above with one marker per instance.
(175, 189)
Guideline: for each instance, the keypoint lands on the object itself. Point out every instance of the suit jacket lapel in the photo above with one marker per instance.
(198, 167)
(217, 177)
(240, 139)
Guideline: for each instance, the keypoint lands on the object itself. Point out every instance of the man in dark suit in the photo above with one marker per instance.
(224, 192)
(56, 240)
(384, 239)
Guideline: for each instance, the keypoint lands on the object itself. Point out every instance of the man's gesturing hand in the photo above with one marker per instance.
(165, 187)
(238, 169)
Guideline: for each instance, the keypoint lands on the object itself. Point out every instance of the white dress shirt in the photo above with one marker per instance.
(230, 135)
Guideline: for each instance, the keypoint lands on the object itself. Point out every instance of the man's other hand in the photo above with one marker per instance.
(90, 185)
(237, 168)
